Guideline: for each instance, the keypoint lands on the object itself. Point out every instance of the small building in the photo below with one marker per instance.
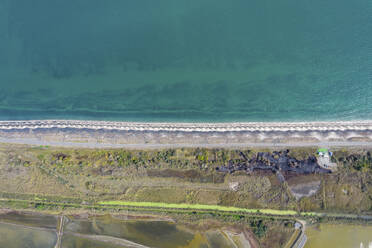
(324, 158)
(324, 152)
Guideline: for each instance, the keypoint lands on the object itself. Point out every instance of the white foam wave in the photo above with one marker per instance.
(192, 127)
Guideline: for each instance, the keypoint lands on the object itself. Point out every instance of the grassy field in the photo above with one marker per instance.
(186, 177)
(199, 207)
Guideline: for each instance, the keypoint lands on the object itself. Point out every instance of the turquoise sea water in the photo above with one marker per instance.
(191, 60)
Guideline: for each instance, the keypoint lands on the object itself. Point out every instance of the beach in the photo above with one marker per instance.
(191, 127)
(103, 134)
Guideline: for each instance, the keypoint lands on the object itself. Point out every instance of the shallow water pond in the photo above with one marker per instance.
(154, 233)
(340, 236)
(160, 234)
(30, 219)
(70, 241)
(217, 240)
(28, 230)
(12, 236)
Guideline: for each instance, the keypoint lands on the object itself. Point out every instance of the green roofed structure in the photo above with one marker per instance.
(323, 150)
(324, 158)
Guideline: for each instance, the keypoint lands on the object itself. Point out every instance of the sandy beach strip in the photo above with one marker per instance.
(94, 145)
(191, 127)
(141, 135)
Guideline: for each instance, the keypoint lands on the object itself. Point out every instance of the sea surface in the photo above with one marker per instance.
(194, 60)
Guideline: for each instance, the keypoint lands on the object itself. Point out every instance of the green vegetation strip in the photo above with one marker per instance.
(199, 207)
(175, 208)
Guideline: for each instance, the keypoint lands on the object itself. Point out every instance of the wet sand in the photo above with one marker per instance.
(136, 135)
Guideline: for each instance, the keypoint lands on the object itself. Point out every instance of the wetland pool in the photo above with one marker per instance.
(339, 235)
(31, 230)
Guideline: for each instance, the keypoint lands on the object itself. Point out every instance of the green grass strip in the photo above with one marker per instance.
(312, 214)
(198, 207)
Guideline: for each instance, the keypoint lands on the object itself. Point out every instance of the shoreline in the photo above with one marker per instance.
(191, 127)
(142, 135)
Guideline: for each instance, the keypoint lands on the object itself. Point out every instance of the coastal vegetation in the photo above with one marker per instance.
(184, 184)
(185, 176)
(200, 207)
